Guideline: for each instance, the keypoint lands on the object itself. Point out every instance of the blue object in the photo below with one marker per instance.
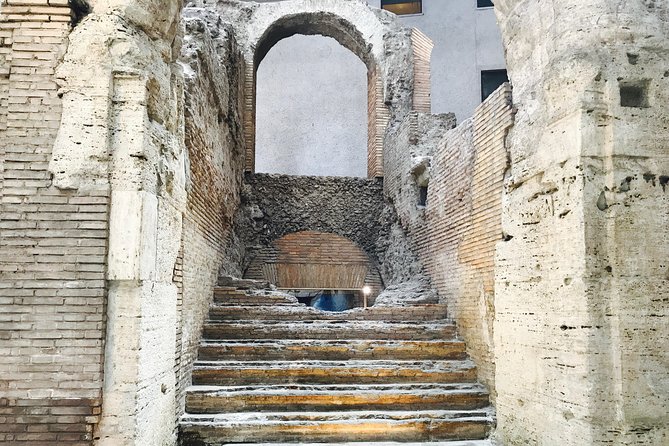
(332, 302)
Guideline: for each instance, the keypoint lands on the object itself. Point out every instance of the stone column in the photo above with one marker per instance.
(582, 282)
(124, 130)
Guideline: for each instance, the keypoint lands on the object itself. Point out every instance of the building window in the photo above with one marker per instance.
(402, 7)
(491, 80)
(484, 4)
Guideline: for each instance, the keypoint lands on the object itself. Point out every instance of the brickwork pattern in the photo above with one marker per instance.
(378, 117)
(455, 233)
(422, 54)
(213, 124)
(52, 246)
(463, 222)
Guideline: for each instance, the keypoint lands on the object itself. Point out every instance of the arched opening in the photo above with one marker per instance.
(348, 36)
(311, 109)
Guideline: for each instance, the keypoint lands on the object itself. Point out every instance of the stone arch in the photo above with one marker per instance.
(393, 56)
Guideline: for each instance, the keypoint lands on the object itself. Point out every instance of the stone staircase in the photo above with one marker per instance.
(273, 371)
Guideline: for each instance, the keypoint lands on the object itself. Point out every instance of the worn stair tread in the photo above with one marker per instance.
(377, 443)
(265, 418)
(427, 312)
(286, 397)
(332, 372)
(346, 388)
(305, 349)
(381, 363)
(327, 329)
(335, 426)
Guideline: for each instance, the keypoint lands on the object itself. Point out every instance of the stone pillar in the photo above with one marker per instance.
(582, 282)
(123, 130)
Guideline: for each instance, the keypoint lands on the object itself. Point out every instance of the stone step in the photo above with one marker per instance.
(311, 349)
(278, 398)
(231, 373)
(228, 296)
(416, 313)
(379, 330)
(377, 443)
(334, 427)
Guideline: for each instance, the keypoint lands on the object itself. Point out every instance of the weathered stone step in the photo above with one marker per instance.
(228, 296)
(229, 373)
(278, 398)
(379, 330)
(416, 313)
(306, 349)
(379, 443)
(334, 426)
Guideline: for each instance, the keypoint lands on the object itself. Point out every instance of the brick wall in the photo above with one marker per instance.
(214, 140)
(455, 233)
(52, 247)
(422, 54)
(463, 222)
(316, 260)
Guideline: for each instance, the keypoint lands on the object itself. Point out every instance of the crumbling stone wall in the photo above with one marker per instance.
(277, 205)
(53, 246)
(213, 135)
(121, 131)
(409, 148)
(581, 288)
(454, 233)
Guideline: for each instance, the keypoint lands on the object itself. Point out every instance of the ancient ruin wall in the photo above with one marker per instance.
(453, 234)
(121, 131)
(53, 246)
(581, 289)
(276, 205)
(213, 135)
(462, 223)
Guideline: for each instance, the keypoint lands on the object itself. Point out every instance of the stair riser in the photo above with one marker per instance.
(211, 404)
(361, 350)
(416, 314)
(249, 332)
(433, 430)
(232, 377)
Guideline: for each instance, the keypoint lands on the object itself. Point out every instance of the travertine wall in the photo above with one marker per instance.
(122, 132)
(53, 246)
(581, 327)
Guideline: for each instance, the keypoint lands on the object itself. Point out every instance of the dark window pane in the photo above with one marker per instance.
(402, 7)
(490, 81)
(484, 3)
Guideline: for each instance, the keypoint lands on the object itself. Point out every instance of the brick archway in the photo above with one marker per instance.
(397, 59)
(350, 37)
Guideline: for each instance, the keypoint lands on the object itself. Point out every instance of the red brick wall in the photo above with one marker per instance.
(52, 247)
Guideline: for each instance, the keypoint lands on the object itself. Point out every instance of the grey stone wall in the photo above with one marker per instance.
(276, 205)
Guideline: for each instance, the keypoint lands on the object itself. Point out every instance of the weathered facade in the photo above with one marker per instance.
(126, 127)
